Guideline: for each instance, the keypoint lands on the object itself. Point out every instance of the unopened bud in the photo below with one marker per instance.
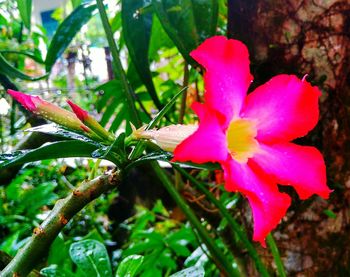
(90, 121)
(49, 111)
(167, 137)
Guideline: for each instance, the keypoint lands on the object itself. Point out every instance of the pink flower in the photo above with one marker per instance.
(250, 135)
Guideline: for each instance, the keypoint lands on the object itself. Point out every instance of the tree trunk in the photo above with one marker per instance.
(308, 37)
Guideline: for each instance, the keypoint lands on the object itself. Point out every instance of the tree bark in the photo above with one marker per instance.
(308, 37)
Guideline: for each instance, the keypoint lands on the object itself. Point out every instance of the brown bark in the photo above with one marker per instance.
(309, 37)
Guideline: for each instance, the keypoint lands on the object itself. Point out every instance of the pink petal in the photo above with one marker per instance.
(79, 112)
(267, 203)
(27, 101)
(208, 143)
(227, 75)
(299, 166)
(285, 108)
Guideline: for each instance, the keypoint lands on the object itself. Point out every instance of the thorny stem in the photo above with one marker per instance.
(64, 209)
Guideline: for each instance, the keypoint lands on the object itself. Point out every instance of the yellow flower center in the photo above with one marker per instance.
(241, 139)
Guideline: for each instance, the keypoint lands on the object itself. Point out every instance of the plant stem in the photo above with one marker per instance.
(184, 95)
(118, 68)
(64, 209)
(276, 255)
(218, 257)
(230, 220)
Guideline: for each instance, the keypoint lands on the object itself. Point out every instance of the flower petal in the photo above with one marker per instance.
(299, 166)
(284, 108)
(227, 75)
(208, 143)
(27, 101)
(267, 203)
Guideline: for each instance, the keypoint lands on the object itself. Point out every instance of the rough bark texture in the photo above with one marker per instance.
(308, 37)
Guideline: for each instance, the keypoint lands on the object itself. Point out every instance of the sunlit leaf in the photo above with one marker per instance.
(25, 10)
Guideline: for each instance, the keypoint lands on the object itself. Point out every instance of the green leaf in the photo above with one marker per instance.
(25, 11)
(12, 72)
(56, 130)
(61, 149)
(193, 271)
(329, 213)
(129, 266)
(112, 97)
(166, 108)
(137, 33)
(187, 22)
(53, 271)
(33, 56)
(67, 30)
(91, 257)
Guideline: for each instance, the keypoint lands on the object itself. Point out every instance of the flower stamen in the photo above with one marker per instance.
(241, 140)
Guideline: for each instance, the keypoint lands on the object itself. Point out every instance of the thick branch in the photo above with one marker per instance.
(63, 211)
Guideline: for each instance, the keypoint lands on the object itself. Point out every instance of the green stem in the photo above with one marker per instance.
(218, 257)
(64, 209)
(184, 95)
(230, 220)
(276, 255)
(118, 68)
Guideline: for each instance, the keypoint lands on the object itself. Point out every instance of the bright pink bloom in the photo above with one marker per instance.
(250, 135)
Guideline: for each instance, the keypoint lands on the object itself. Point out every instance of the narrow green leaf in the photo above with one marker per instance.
(129, 266)
(187, 22)
(276, 255)
(163, 112)
(31, 55)
(12, 72)
(137, 33)
(91, 257)
(67, 30)
(72, 148)
(231, 221)
(215, 251)
(193, 271)
(56, 130)
(25, 11)
(119, 72)
(139, 147)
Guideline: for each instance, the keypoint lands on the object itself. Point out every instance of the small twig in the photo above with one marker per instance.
(64, 209)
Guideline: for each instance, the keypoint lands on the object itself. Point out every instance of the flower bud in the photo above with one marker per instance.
(91, 122)
(167, 137)
(49, 111)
